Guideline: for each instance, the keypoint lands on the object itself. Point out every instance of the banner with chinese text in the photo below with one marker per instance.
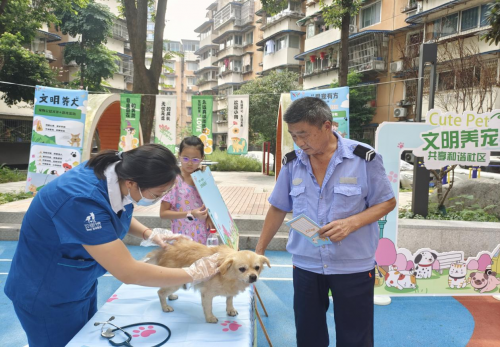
(202, 106)
(237, 124)
(166, 121)
(459, 138)
(338, 101)
(428, 266)
(130, 111)
(57, 134)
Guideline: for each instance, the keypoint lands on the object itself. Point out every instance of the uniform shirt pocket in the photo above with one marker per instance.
(347, 200)
(298, 199)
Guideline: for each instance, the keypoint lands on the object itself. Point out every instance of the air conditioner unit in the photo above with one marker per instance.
(353, 29)
(189, 88)
(399, 112)
(396, 66)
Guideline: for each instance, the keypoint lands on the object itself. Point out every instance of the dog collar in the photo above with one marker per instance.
(424, 265)
(457, 278)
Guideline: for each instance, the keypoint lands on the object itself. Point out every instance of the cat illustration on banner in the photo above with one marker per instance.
(128, 141)
(75, 140)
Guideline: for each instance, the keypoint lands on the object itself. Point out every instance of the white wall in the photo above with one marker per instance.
(321, 39)
(320, 80)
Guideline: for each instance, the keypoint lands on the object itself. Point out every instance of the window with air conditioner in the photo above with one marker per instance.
(370, 15)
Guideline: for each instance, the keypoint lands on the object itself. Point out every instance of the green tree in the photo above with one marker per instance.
(93, 25)
(26, 16)
(265, 95)
(360, 111)
(146, 80)
(338, 14)
(19, 65)
(493, 17)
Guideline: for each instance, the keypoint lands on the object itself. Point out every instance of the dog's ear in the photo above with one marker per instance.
(434, 255)
(418, 258)
(263, 260)
(472, 274)
(225, 266)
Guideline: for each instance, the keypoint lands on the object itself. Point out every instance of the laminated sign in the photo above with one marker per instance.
(202, 106)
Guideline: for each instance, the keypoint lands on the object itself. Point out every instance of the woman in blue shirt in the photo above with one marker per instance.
(72, 234)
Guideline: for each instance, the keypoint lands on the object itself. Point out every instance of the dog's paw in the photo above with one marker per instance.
(173, 297)
(232, 312)
(212, 319)
(167, 308)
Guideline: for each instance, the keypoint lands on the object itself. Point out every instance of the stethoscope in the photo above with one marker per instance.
(110, 333)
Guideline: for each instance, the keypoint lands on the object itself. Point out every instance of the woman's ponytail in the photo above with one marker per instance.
(102, 160)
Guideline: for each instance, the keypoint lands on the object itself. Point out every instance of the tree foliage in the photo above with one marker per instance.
(360, 111)
(264, 102)
(493, 17)
(26, 16)
(93, 25)
(21, 66)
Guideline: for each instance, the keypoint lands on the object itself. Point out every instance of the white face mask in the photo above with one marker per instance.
(143, 201)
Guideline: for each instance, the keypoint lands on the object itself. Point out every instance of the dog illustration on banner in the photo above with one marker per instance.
(238, 145)
(429, 271)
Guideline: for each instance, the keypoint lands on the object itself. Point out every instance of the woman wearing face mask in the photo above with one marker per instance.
(72, 234)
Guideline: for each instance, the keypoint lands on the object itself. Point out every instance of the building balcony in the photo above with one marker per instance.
(120, 31)
(205, 85)
(221, 126)
(230, 77)
(321, 39)
(220, 103)
(410, 7)
(285, 56)
(207, 63)
(285, 16)
(289, 24)
(240, 14)
(232, 51)
(208, 40)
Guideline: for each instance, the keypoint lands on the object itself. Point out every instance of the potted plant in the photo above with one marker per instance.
(222, 146)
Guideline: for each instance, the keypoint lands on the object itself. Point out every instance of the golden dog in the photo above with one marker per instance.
(237, 271)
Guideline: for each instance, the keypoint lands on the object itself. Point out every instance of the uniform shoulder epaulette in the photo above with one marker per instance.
(364, 152)
(290, 156)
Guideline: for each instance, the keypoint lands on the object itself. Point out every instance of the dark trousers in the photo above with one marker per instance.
(352, 308)
(57, 327)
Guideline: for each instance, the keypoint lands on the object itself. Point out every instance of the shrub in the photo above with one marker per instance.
(474, 213)
(231, 162)
(9, 197)
(8, 175)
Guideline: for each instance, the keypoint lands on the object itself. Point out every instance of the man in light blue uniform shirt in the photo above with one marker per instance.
(342, 186)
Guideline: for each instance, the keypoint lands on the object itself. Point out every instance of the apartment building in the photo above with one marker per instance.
(281, 38)
(16, 121)
(179, 79)
(384, 44)
(467, 70)
(118, 43)
(228, 54)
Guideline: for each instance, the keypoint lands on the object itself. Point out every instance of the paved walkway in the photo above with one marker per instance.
(12, 187)
(245, 193)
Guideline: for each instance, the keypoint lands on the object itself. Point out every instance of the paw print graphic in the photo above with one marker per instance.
(233, 326)
(144, 332)
(392, 176)
(401, 145)
(112, 298)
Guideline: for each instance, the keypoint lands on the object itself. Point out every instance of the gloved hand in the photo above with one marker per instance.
(203, 269)
(161, 237)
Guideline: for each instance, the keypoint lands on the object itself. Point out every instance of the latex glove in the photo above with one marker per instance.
(203, 269)
(161, 237)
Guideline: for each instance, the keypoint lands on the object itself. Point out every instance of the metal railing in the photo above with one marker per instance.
(120, 31)
(241, 14)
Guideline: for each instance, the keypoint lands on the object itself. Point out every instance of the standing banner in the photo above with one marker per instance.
(57, 134)
(217, 209)
(338, 100)
(444, 139)
(130, 110)
(202, 106)
(237, 120)
(166, 121)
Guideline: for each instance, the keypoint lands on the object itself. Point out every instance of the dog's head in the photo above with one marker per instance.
(425, 258)
(244, 266)
(478, 279)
